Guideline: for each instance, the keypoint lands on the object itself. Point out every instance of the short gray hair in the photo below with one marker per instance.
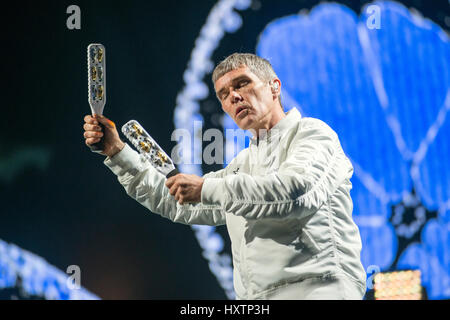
(259, 66)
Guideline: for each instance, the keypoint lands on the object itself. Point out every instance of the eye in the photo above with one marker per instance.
(242, 83)
(223, 96)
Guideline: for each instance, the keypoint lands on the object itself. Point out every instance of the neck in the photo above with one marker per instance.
(269, 120)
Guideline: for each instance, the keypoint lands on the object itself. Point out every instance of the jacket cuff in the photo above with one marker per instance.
(211, 193)
(123, 161)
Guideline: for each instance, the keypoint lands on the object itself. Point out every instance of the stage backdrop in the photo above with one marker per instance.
(377, 72)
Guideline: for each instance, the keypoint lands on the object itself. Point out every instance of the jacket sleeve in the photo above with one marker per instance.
(146, 185)
(314, 168)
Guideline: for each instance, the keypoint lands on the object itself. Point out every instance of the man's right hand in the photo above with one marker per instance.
(93, 133)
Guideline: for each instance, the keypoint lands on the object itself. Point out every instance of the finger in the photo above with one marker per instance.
(179, 197)
(93, 134)
(180, 192)
(173, 190)
(105, 121)
(91, 127)
(170, 182)
(90, 141)
(89, 119)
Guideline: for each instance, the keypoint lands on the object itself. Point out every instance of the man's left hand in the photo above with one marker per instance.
(187, 188)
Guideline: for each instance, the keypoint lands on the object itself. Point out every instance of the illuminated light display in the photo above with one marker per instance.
(369, 81)
(398, 285)
(375, 82)
(223, 18)
(35, 276)
(401, 123)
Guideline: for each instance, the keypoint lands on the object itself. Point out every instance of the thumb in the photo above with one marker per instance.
(105, 121)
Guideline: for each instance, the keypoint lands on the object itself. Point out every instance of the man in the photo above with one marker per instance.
(289, 216)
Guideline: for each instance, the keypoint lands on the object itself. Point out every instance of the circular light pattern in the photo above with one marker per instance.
(221, 19)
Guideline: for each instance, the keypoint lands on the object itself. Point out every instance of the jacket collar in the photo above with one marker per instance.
(292, 117)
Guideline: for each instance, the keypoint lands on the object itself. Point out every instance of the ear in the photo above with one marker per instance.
(276, 87)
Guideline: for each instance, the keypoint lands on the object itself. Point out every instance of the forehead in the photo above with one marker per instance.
(228, 77)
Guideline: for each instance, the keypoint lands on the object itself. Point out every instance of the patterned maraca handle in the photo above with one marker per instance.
(96, 64)
(148, 147)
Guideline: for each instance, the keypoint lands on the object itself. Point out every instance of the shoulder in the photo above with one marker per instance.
(315, 127)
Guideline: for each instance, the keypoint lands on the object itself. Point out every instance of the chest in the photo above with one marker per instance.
(264, 158)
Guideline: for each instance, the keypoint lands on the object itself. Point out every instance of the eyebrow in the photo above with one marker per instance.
(233, 81)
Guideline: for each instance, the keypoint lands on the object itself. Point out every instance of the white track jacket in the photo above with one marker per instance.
(285, 201)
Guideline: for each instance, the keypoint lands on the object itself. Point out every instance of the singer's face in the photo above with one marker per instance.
(245, 98)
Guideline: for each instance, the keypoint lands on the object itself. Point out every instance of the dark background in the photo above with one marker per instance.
(58, 199)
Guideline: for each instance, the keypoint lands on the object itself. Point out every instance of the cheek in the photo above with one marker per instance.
(255, 98)
(249, 95)
(225, 109)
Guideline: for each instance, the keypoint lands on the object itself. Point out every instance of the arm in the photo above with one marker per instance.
(147, 186)
(313, 170)
(141, 181)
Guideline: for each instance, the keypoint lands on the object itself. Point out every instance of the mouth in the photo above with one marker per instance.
(240, 110)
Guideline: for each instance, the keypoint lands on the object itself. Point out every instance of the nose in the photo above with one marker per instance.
(235, 97)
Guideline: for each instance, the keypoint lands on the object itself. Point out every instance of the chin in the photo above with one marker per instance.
(244, 125)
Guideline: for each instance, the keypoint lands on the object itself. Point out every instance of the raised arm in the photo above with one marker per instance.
(142, 182)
